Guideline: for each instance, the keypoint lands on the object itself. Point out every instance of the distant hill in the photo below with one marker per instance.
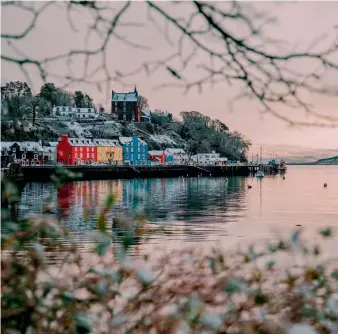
(294, 154)
(328, 161)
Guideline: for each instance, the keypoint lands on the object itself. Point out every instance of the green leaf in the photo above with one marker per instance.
(102, 288)
(67, 297)
(212, 320)
(109, 202)
(334, 274)
(103, 242)
(212, 265)
(145, 276)
(128, 239)
(102, 223)
(39, 251)
(83, 323)
(309, 311)
(261, 299)
(270, 264)
(295, 237)
(235, 285)
(326, 232)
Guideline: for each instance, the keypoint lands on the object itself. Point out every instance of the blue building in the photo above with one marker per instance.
(134, 150)
(169, 159)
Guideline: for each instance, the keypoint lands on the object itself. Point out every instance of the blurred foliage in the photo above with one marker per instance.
(105, 290)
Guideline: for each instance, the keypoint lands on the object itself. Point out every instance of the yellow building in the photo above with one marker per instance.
(108, 151)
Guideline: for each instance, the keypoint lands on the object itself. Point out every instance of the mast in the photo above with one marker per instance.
(261, 154)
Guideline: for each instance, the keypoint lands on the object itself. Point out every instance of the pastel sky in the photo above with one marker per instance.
(299, 24)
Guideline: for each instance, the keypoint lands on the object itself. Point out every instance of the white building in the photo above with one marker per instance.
(49, 151)
(208, 159)
(74, 112)
(146, 116)
(180, 157)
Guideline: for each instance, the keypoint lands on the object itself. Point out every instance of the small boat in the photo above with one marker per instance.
(282, 167)
(260, 174)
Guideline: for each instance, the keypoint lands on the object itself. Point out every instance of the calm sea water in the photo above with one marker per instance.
(202, 210)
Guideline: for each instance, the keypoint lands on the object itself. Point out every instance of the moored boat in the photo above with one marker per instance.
(282, 166)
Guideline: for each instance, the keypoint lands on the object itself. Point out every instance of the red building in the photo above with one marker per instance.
(76, 151)
(157, 156)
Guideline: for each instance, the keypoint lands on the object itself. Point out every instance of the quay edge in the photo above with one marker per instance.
(43, 173)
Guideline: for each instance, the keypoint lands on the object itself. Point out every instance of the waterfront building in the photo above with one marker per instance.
(179, 156)
(169, 160)
(108, 151)
(49, 152)
(208, 159)
(134, 150)
(26, 153)
(156, 157)
(125, 106)
(69, 112)
(74, 151)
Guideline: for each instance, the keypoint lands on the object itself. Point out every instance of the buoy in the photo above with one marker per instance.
(249, 187)
(298, 225)
(325, 185)
(283, 177)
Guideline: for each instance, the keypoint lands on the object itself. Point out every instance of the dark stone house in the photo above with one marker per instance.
(125, 106)
(26, 153)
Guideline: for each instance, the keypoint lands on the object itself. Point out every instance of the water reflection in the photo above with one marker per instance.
(203, 205)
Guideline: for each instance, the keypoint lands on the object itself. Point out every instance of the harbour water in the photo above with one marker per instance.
(204, 211)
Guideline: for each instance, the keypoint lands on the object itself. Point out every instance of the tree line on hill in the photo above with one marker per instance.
(17, 100)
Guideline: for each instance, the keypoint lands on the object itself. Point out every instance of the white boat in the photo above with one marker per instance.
(260, 174)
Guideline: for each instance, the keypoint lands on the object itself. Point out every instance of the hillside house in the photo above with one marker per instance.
(179, 156)
(125, 106)
(108, 151)
(146, 116)
(76, 151)
(134, 150)
(68, 112)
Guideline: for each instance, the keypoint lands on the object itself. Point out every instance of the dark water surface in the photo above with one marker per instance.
(202, 210)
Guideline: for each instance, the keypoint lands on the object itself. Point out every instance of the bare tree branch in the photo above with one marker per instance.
(247, 56)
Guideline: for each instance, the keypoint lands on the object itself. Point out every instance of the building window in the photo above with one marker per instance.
(23, 156)
(78, 110)
(80, 149)
(69, 109)
(124, 103)
(57, 109)
(89, 110)
(63, 109)
(35, 156)
(14, 150)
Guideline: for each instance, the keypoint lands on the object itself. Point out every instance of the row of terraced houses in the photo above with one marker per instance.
(78, 151)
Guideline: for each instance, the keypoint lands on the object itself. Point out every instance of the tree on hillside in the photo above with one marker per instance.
(160, 117)
(79, 99)
(15, 89)
(88, 101)
(47, 92)
(143, 102)
(83, 100)
(13, 97)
